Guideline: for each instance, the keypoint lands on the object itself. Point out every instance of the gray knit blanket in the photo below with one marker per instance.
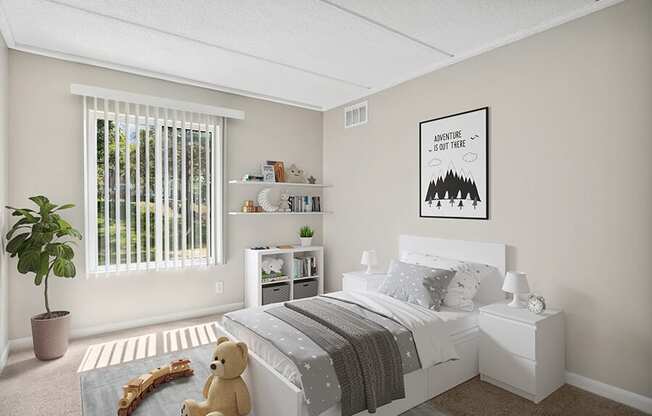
(364, 354)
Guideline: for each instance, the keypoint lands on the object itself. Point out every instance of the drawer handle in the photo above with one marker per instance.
(276, 290)
(306, 284)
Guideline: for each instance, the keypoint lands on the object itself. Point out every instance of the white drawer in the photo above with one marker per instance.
(504, 366)
(512, 336)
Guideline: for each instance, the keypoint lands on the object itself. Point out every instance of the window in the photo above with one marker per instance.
(153, 183)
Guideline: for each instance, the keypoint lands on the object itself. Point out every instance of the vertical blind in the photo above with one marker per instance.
(154, 186)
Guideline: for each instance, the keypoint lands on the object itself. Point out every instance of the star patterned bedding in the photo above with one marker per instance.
(419, 334)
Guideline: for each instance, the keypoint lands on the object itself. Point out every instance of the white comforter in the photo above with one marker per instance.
(430, 335)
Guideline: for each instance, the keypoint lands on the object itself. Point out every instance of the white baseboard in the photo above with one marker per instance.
(637, 401)
(75, 333)
(4, 357)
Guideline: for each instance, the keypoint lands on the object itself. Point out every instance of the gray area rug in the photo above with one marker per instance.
(102, 388)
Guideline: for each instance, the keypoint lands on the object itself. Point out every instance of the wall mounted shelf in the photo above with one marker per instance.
(279, 184)
(254, 214)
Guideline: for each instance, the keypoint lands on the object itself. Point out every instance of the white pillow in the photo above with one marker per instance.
(464, 285)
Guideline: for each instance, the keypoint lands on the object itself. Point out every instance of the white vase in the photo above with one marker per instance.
(306, 241)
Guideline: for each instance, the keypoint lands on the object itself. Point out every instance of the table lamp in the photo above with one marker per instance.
(369, 259)
(516, 283)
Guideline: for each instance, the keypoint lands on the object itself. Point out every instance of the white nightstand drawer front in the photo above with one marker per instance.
(504, 366)
(515, 337)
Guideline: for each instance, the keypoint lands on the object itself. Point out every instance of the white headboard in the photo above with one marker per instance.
(492, 254)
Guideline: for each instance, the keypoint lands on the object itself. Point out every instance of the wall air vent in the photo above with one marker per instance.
(356, 115)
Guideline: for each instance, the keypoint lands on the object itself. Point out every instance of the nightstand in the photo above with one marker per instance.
(361, 281)
(522, 352)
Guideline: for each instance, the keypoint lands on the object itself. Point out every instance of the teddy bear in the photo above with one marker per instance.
(225, 392)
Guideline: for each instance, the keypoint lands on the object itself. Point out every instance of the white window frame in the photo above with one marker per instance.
(215, 221)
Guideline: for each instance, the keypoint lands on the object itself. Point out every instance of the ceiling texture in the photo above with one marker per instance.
(317, 54)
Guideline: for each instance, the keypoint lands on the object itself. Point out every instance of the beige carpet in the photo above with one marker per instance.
(29, 387)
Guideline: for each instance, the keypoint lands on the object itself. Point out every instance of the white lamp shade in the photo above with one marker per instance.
(516, 282)
(369, 258)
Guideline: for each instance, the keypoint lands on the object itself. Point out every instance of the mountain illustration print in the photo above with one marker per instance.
(453, 187)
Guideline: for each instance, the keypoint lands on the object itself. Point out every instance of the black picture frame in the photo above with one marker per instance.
(486, 172)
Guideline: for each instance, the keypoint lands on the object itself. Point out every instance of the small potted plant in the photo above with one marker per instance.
(43, 242)
(305, 235)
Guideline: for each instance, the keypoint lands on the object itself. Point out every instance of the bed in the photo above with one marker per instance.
(275, 382)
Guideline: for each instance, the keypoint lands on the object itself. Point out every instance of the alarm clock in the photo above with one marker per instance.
(536, 304)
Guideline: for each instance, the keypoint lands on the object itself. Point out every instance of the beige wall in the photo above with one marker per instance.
(45, 157)
(570, 178)
(4, 185)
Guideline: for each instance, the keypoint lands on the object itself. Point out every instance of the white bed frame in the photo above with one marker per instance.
(273, 395)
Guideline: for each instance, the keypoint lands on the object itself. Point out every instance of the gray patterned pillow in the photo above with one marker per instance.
(416, 284)
(437, 286)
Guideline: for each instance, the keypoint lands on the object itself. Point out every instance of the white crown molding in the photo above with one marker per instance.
(26, 342)
(635, 400)
(594, 7)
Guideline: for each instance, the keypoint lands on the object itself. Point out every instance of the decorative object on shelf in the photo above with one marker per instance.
(369, 259)
(295, 175)
(137, 389)
(264, 202)
(44, 243)
(536, 304)
(284, 205)
(260, 248)
(454, 166)
(253, 178)
(225, 391)
(305, 235)
(248, 206)
(268, 173)
(272, 269)
(516, 283)
(284, 246)
(279, 170)
(312, 180)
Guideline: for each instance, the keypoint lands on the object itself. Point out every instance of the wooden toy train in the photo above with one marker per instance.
(139, 388)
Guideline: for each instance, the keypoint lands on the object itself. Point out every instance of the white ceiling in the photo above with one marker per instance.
(312, 53)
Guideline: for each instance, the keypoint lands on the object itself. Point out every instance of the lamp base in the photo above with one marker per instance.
(516, 302)
(369, 270)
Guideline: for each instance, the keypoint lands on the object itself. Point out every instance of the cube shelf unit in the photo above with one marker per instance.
(278, 185)
(259, 293)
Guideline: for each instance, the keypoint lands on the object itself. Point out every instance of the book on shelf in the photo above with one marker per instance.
(267, 278)
(304, 267)
(304, 203)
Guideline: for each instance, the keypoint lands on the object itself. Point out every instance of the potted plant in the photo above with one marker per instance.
(305, 235)
(43, 242)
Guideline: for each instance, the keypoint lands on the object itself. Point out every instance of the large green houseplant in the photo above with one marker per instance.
(44, 244)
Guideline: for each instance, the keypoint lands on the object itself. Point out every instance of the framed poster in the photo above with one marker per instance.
(454, 166)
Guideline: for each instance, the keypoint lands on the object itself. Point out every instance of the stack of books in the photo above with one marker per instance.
(304, 203)
(305, 267)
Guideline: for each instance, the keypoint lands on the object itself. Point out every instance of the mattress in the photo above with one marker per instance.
(456, 322)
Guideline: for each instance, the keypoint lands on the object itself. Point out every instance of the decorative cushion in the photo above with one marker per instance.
(416, 284)
(464, 284)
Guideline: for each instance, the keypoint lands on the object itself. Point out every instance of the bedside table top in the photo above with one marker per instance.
(518, 314)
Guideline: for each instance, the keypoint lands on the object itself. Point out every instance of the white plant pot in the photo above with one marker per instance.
(306, 241)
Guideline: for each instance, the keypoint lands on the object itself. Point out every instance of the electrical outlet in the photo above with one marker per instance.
(219, 287)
